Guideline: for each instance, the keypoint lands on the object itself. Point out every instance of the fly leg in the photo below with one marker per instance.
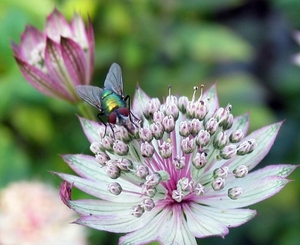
(130, 113)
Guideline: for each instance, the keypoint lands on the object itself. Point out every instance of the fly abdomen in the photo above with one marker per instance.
(111, 101)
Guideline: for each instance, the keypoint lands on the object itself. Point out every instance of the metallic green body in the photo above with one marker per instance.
(111, 101)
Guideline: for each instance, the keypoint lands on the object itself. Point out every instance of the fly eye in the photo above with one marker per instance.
(124, 111)
(112, 118)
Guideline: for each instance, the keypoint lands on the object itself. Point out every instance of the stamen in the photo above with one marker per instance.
(201, 91)
(169, 90)
(194, 93)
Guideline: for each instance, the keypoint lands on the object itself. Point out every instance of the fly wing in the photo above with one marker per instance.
(114, 81)
(90, 94)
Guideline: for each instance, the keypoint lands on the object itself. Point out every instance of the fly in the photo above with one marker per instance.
(110, 100)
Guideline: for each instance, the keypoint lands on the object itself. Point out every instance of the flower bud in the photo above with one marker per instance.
(115, 188)
(235, 192)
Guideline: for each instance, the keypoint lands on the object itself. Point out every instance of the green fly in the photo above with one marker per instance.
(110, 100)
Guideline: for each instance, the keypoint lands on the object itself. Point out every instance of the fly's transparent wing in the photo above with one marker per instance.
(114, 80)
(90, 94)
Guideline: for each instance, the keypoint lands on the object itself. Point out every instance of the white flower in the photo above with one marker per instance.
(182, 174)
(31, 213)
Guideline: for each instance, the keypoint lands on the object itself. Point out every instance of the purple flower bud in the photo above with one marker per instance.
(112, 170)
(120, 148)
(145, 134)
(114, 188)
(172, 110)
(179, 162)
(202, 138)
(152, 106)
(158, 116)
(246, 147)
(220, 140)
(185, 128)
(165, 149)
(124, 164)
(152, 180)
(95, 147)
(107, 143)
(235, 192)
(168, 123)
(195, 126)
(157, 130)
(147, 150)
(142, 171)
(240, 171)
(187, 145)
(199, 160)
(211, 125)
(221, 172)
(199, 190)
(137, 211)
(148, 191)
(228, 151)
(236, 136)
(148, 204)
(218, 184)
(102, 158)
(182, 103)
(177, 195)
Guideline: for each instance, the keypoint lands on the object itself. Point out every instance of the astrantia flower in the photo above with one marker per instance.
(55, 61)
(31, 213)
(183, 174)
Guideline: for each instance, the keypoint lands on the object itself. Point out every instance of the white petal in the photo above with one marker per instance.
(210, 98)
(254, 190)
(108, 216)
(139, 100)
(201, 223)
(90, 129)
(168, 227)
(265, 138)
(228, 217)
(99, 189)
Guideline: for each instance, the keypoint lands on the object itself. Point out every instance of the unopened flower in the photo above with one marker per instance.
(58, 59)
(31, 213)
(189, 180)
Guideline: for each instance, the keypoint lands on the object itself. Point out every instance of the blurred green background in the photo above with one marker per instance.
(244, 46)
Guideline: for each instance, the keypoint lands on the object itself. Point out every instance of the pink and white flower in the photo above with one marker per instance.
(185, 173)
(31, 213)
(58, 59)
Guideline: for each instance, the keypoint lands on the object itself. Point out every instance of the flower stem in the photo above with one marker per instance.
(86, 111)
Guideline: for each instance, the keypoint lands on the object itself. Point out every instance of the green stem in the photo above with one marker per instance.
(87, 111)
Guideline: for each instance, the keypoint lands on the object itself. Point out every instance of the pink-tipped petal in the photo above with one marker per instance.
(36, 78)
(139, 101)
(57, 26)
(211, 98)
(91, 129)
(265, 138)
(74, 59)
(30, 38)
(91, 52)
